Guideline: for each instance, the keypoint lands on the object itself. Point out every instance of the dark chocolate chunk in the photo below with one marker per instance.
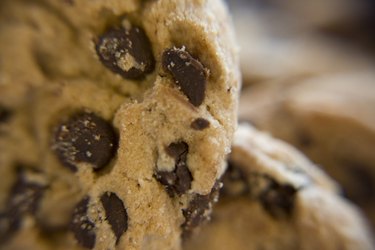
(179, 180)
(278, 199)
(189, 74)
(116, 214)
(235, 182)
(25, 195)
(177, 150)
(168, 179)
(81, 226)
(24, 198)
(198, 210)
(126, 51)
(184, 177)
(5, 114)
(200, 124)
(176, 182)
(85, 137)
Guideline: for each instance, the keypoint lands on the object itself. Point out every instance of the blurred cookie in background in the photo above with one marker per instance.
(275, 198)
(308, 79)
(331, 118)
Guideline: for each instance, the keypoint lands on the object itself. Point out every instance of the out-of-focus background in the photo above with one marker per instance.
(309, 78)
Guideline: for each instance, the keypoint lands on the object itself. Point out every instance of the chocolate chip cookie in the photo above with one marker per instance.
(115, 121)
(275, 198)
(331, 119)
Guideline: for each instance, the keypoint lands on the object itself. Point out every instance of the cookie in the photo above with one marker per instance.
(275, 198)
(331, 119)
(115, 123)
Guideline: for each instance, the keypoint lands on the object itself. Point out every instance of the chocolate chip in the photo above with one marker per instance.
(25, 195)
(116, 214)
(235, 182)
(278, 199)
(179, 180)
(81, 226)
(24, 198)
(5, 114)
(200, 124)
(126, 51)
(189, 74)
(85, 137)
(176, 182)
(198, 210)
(178, 150)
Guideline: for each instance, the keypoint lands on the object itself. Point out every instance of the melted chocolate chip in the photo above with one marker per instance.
(126, 51)
(200, 124)
(198, 210)
(179, 180)
(116, 214)
(5, 114)
(81, 226)
(278, 199)
(24, 198)
(85, 137)
(189, 74)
